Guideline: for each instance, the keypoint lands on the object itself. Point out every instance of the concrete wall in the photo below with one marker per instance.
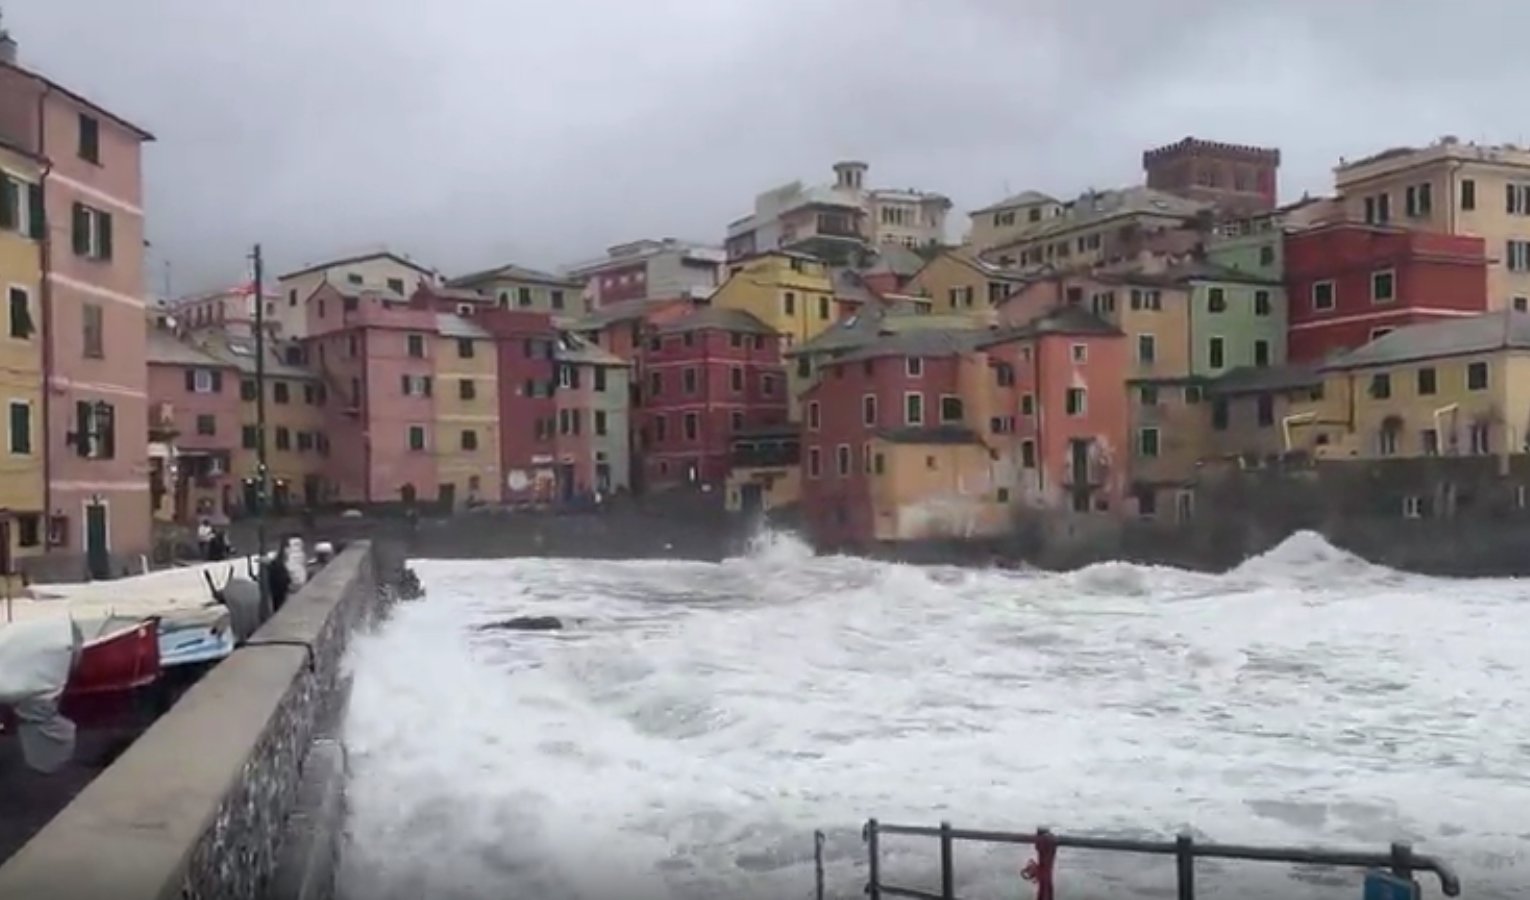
(196, 808)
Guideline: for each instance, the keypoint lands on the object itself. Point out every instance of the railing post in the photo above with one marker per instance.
(1402, 860)
(1184, 865)
(873, 885)
(818, 863)
(947, 864)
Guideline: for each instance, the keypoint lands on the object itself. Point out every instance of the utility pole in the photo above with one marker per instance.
(262, 473)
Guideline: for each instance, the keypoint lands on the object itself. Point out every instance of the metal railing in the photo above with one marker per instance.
(1400, 859)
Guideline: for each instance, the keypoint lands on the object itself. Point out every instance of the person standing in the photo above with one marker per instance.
(204, 539)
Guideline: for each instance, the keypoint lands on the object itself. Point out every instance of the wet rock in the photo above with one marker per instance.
(526, 623)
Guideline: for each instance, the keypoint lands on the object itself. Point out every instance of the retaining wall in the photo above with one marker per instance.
(197, 807)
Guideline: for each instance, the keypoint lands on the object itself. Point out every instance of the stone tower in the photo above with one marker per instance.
(1240, 179)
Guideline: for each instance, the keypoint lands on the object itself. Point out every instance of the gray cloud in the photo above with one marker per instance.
(469, 132)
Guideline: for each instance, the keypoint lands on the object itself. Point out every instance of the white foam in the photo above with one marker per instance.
(687, 739)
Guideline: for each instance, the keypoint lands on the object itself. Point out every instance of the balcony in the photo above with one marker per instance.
(765, 454)
(162, 426)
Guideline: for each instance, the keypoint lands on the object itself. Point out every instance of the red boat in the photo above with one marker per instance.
(110, 683)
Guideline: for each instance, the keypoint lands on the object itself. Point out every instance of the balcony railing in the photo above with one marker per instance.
(766, 456)
(1400, 860)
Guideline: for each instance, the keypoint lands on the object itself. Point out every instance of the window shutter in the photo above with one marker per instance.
(191, 380)
(105, 220)
(9, 195)
(573, 377)
(81, 227)
(82, 428)
(109, 432)
(39, 215)
(217, 382)
(427, 385)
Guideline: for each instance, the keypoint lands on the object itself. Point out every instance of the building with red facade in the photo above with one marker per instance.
(1348, 283)
(707, 376)
(1238, 179)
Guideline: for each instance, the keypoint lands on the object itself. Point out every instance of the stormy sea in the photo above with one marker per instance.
(694, 723)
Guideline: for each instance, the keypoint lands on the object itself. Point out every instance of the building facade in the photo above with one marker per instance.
(467, 412)
(194, 411)
(651, 270)
(23, 488)
(520, 288)
(388, 274)
(1351, 283)
(1237, 179)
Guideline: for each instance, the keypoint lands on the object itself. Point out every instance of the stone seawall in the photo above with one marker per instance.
(197, 806)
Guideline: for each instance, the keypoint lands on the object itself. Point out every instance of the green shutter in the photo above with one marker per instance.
(10, 194)
(81, 229)
(82, 428)
(38, 226)
(109, 431)
(105, 220)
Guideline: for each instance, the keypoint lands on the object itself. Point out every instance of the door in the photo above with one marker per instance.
(311, 490)
(603, 478)
(448, 497)
(751, 498)
(97, 555)
(566, 482)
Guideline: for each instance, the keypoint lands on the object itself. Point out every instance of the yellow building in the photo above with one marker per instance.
(1452, 388)
(517, 287)
(1453, 188)
(959, 283)
(940, 483)
(1008, 220)
(792, 293)
(764, 469)
(297, 445)
(1254, 414)
(467, 411)
(22, 493)
(1093, 228)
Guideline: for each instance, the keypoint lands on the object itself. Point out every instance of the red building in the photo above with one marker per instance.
(706, 376)
(1348, 283)
(1240, 179)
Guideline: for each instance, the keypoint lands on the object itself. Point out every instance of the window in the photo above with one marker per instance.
(842, 460)
(1468, 194)
(1267, 255)
(90, 139)
(305, 441)
(417, 438)
(1518, 256)
(1028, 453)
(1146, 299)
(600, 422)
(736, 379)
(1413, 505)
(950, 409)
(464, 348)
(823, 307)
(1386, 441)
(523, 296)
(1216, 300)
(92, 233)
(688, 339)
(914, 366)
(204, 381)
(1219, 414)
(466, 389)
(1418, 200)
(913, 409)
(869, 410)
(813, 416)
(1192, 393)
(353, 278)
(1430, 439)
(691, 426)
(1481, 438)
(1004, 374)
(1521, 304)
(1426, 381)
(1517, 199)
(1261, 353)
(21, 207)
(95, 430)
(1265, 410)
(804, 367)
(789, 302)
(1148, 395)
(1216, 351)
(1477, 376)
(815, 466)
(1378, 209)
(768, 385)
(248, 390)
(1383, 286)
(1322, 296)
(21, 428)
(655, 383)
(1381, 386)
(281, 393)
(689, 377)
(1077, 401)
(469, 439)
(1027, 404)
(736, 421)
(249, 437)
(735, 339)
(1147, 442)
(661, 428)
(1147, 349)
(557, 299)
(21, 314)
(417, 346)
(207, 425)
(1261, 303)
(93, 327)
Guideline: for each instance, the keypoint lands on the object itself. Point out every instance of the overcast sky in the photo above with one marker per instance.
(469, 133)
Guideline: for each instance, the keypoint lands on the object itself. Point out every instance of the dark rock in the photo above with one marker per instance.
(526, 623)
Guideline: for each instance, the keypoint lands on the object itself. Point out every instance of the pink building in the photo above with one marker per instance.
(93, 313)
(193, 407)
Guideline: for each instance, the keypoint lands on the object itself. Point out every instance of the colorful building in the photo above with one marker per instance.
(765, 469)
(1351, 283)
(1236, 319)
(467, 412)
(517, 287)
(709, 376)
(790, 293)
(92, 313)
(1452, 188)
(1256, 415)
(1002, 223)
(23, 488)
(526, 361)
(194, 411)
(651, 270)
(1098, 227)
(592, 401)
(1237, 179)
(959, 283)
(392, 275)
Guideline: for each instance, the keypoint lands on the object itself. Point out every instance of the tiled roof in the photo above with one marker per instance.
(454, 326)
(80, 99)
(1200, 270)
(875, 322)
(894, 259)
(240, 353)
(1100, 206)
(164, 348)
(925, 343)
(1059, 320)
(614, 313)
(1024, 198)
(1453, 337)
(939, 434)
(717, 318)
(360, 257)
(513, 272)
(1254, 380)
(849, 286)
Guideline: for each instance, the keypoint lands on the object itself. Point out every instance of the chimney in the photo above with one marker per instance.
(7, 46)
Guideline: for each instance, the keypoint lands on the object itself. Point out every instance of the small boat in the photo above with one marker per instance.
(118, 664)
(195, 637)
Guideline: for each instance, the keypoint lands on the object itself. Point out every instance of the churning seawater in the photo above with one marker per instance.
(695, 724)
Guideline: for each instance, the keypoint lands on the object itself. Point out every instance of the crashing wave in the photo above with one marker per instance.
(1307, 556)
